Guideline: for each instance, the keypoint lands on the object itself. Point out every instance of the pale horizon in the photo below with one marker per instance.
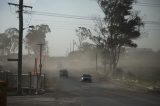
(63, 29)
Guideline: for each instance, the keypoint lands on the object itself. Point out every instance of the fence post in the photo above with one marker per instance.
(30, 81)
(3, 93)
(7, 78)
(44, 81)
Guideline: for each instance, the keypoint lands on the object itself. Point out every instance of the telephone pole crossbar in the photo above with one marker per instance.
(14, 4)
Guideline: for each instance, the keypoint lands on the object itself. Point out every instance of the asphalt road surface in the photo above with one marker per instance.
(72, 92)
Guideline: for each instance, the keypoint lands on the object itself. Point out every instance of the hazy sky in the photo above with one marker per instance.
(63, 29)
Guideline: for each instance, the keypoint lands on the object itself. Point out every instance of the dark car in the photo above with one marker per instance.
(63, 73)
(86, 78)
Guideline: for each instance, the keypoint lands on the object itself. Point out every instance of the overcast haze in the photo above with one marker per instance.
(63, 29)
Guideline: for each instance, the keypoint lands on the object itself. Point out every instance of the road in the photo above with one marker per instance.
(77, 93)
(72, 92)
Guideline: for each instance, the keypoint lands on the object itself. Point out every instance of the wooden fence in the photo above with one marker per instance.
(29, 81)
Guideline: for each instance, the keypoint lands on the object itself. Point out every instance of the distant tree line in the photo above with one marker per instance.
(36, 35)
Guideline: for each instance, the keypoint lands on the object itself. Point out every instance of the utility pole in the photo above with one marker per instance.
(20, 11)
(70, 47)
(96, 58)
(73, 45)
(40, 63)
(96, 61)
(19, 90)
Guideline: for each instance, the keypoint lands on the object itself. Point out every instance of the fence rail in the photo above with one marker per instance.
(28, 80)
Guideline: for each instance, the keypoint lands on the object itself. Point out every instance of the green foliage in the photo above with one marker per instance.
(119, 28)
(86, 46)
(123, 26)
(36, 36)
(9, 41)
(82, 34)
(123, 23)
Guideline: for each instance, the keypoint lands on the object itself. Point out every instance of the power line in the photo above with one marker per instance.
(76, 16)
(59, 15)
(152, 22)
(29, 19)
(72, 23)
(147, 4)
(153, 29)
(81, 23)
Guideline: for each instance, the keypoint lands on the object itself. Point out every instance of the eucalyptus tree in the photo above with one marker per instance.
(99, 39)
(9, 41)
(82, 34)
(36, 35)
(123, 26)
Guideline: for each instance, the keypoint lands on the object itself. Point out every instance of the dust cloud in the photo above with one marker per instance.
(141, 64)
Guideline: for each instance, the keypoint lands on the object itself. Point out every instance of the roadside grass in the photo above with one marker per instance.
(145, 86)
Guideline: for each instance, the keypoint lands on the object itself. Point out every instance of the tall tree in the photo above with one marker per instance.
(123, 24)
(3, 43)
(12, 34)
(82, 33)
(9, 41)
(99, 37)
(36, 35)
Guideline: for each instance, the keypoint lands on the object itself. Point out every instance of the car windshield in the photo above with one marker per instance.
(86, 75)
